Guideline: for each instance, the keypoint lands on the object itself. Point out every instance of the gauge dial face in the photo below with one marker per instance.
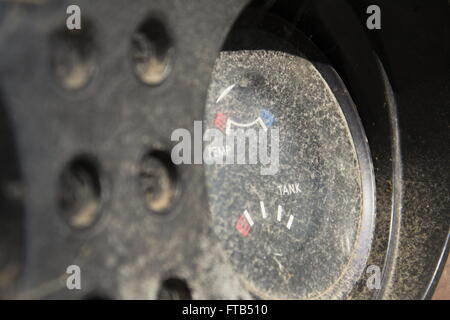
(289, 222)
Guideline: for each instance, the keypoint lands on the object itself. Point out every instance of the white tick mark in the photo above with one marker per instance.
(263, 210)
(249, 218)
(289, 224)
(280, 212)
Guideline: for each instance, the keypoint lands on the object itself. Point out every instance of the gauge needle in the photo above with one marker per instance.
(279, 263)
(225, 92)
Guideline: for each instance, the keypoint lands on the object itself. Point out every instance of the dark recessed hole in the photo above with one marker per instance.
(80, 192)
(73, 56)
(158, 180)
(174, 289)
(151, 52)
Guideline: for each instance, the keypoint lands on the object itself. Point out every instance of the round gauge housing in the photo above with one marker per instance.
(289, 177)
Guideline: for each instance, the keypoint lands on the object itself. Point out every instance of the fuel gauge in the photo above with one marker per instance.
(292, 197)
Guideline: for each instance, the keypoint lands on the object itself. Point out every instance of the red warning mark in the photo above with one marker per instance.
(243, 226)
(220, 121)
